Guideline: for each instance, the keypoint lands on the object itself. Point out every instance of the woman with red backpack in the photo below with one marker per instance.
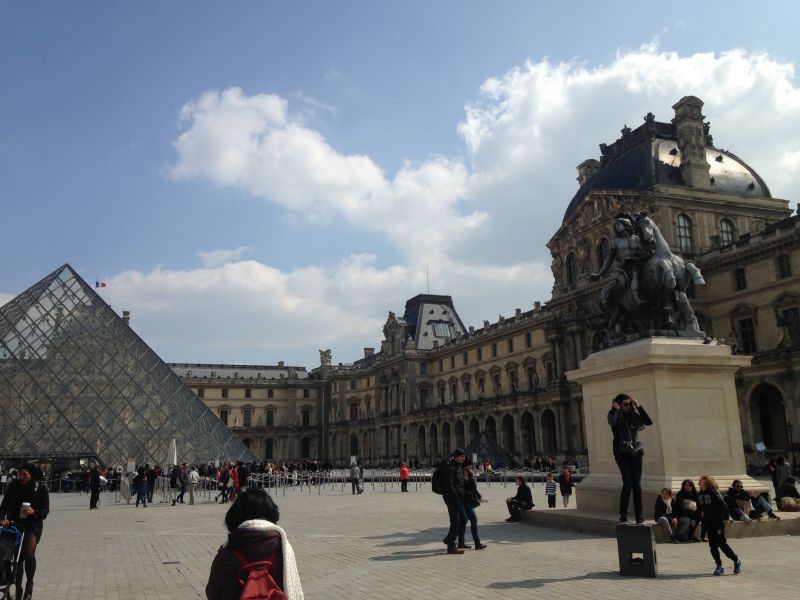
(258, 558)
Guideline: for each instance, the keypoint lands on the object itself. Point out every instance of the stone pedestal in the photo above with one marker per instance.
(687, 388)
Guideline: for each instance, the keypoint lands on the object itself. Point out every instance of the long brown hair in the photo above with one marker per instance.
(711, 483)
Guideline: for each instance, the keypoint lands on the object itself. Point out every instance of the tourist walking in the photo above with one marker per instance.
(403, 477)
(627, 418)
(94, 486)
(193, 478)
(140, 483)
(355, 479)
(565, 484)
(26, 504)
(254, 541)
(523, 500)
(550, 489)
(472, 500)
(714, 514)
(453, 496)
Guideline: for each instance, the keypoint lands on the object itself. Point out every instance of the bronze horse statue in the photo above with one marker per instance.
(664, 277)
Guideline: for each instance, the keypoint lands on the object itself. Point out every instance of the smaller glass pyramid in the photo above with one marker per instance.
(75, 380)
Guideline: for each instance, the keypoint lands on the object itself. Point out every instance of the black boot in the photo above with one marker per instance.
(28, 591)
(18, 594)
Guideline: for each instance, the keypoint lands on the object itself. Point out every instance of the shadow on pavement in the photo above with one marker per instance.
(410, 554)
(604, 575)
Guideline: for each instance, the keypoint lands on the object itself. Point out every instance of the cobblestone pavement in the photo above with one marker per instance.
(378, 545)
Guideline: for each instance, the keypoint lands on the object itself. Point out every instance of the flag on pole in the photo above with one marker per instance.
(99, 284)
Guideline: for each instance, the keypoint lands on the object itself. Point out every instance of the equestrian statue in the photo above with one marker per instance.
(646, 294)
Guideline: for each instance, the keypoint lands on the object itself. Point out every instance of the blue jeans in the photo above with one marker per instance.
(469, 511)
(458, 519)
(760, 505)
(630, 467)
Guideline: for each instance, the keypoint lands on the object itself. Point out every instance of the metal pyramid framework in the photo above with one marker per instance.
(76, 381)
(486, 449)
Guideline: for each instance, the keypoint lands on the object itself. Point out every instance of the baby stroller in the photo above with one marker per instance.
(11, 538)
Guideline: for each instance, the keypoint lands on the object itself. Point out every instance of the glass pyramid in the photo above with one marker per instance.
(76, 381)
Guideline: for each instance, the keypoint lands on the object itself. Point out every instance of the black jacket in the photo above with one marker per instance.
(684, 512)
(626, 427)
(223, 583)
(472, 497)
(34, 492)
(660, 509)
(712, 508)
(524, 494)
(454, 482)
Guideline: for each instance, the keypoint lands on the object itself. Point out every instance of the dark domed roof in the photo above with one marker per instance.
(649, 155)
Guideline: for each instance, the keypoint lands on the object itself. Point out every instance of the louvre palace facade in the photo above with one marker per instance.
(436, 383)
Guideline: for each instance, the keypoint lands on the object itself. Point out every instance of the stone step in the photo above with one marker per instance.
(605, 524)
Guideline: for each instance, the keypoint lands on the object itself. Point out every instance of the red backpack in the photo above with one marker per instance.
(256, 581)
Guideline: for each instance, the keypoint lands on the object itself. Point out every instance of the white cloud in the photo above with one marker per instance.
(250, 312)
(253, 143)
(216, 258)
(480, 220)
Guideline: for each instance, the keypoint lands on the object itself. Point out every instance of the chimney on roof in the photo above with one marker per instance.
(126, 317)
(369, 352)
(688, 121)
(587, 169)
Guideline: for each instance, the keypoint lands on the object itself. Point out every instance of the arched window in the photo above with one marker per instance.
(685, 235)
(572, 269)
(602, 252)
(726, 231)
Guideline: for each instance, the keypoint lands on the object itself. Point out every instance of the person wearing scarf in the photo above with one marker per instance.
(627, 418)
(253, 533)
(28, 490)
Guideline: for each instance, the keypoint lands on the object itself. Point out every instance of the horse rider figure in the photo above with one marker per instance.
(623, 262)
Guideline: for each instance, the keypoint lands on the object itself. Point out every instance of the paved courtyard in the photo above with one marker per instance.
(378, 545)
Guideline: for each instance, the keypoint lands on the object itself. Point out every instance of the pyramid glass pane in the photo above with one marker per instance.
(76, 381)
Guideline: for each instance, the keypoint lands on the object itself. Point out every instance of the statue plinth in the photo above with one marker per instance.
(687, 388)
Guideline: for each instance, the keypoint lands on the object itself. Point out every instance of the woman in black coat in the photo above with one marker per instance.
(254, 539)
(28, 490)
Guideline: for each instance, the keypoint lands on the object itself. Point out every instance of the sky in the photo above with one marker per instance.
(256, 181)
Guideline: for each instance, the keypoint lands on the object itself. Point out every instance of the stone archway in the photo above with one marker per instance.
(509, 443)
(446, 439)
(768, 416)
(460, 440)
(354, 445)
(528, 435)
(491, 429)
(549, 440)
(422, 449)
(434, 441)
(474, 430)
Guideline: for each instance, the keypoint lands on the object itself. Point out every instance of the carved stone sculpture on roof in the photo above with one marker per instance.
(647, 292)
(486, 324)
(325, 357)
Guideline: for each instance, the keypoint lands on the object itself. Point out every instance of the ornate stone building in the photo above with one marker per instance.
(435, 384)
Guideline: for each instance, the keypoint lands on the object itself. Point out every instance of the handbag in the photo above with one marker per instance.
(790, 504)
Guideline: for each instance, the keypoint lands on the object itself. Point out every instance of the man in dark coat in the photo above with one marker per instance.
(94, 485)
(454, 499)
(522, 501)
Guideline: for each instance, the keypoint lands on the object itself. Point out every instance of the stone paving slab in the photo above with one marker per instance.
(377, 545)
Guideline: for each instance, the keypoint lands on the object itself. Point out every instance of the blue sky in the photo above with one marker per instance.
(259, 180)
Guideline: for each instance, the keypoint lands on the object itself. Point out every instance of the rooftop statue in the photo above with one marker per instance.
(647, 292)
